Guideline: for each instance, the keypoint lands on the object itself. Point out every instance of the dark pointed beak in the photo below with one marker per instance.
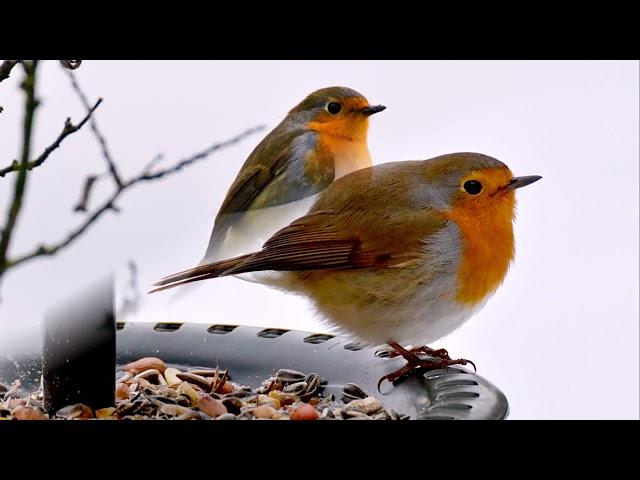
(372, 109)
(519, 182)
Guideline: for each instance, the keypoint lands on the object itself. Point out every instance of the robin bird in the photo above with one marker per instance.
(401, 253)
(321, 139)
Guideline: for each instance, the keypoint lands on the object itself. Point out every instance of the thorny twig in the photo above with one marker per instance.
(67, 130)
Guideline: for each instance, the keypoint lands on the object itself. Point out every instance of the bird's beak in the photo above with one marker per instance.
(372, 109)
(519, 182)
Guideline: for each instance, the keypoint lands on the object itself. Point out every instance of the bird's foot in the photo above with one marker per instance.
(415, 363)
(423, 364)
(424, 350)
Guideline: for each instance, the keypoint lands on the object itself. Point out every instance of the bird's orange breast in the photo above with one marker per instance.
(345, 142)
(487, 245)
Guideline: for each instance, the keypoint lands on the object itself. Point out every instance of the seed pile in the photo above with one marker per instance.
(148, 389)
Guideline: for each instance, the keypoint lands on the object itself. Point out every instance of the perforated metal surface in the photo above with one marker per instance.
(251, 354)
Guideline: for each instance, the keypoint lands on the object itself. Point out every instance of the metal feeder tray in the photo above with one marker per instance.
(252, 354)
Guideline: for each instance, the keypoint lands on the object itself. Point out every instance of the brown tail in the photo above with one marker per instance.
(203, 272)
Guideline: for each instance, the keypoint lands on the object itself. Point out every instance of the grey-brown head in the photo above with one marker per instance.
(334, 103)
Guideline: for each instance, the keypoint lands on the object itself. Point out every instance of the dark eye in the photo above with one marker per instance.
(334, 108)
(472, 187)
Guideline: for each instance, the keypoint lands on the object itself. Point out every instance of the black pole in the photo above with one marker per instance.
(79, 350)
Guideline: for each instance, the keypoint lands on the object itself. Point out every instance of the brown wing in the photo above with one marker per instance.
(367, 219)
(370, 218)
(327, 240)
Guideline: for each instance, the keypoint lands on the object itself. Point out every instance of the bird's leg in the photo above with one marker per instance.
(415, 363)
(438, 353)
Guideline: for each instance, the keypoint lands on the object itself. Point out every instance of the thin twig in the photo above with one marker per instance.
(5, 68)
(94, 127)
(109, 204)
(68, 129)
(198, 156)
(154, 161)
(31, 103)
(82, 205)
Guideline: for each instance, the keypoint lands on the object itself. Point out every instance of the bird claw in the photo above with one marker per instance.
(423, 364)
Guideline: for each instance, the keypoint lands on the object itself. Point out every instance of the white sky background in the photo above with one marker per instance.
(560, 337)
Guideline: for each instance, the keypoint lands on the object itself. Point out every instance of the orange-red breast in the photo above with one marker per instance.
(402, 253)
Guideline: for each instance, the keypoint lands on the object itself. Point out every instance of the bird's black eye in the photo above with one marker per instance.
(472, 187)
(334, 108)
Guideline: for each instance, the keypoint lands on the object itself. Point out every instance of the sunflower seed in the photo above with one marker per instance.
(289, 376)
(295, 388)
(207, 372)
(239, 394)
(351, 391)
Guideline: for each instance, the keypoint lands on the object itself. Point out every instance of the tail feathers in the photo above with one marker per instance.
(203, 272)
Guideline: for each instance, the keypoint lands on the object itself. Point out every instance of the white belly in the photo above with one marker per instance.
(254, 228)
(414, 303)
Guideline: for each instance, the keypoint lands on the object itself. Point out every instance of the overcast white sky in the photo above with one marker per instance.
(560, 337)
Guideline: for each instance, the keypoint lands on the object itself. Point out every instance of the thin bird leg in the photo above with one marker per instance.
(438, 353)
(408, 355)
(415, 363)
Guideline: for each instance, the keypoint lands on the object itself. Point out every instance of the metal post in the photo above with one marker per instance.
(79, 350)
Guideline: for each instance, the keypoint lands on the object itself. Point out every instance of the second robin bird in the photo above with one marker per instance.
(401, 253)
(321, 139)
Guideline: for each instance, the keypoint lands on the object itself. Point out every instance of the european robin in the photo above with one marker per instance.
(401, 253)
(321, 139)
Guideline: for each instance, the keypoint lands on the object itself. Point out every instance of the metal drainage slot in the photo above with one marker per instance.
(383, 353)
(454, 406)
(272, 332)
(455, 383)
(354, 347)
(166, 327)
(120, 325)
(221, 329)
(457, 395)
(438, 417)
(317, 338)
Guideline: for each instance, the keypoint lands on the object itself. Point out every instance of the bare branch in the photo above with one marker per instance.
(5, 68)
(94, 127)
(31, 103)
(68, 129)
(109, 204)
(196, 157)
(83, 203)
(48, 250)
(154, 161)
